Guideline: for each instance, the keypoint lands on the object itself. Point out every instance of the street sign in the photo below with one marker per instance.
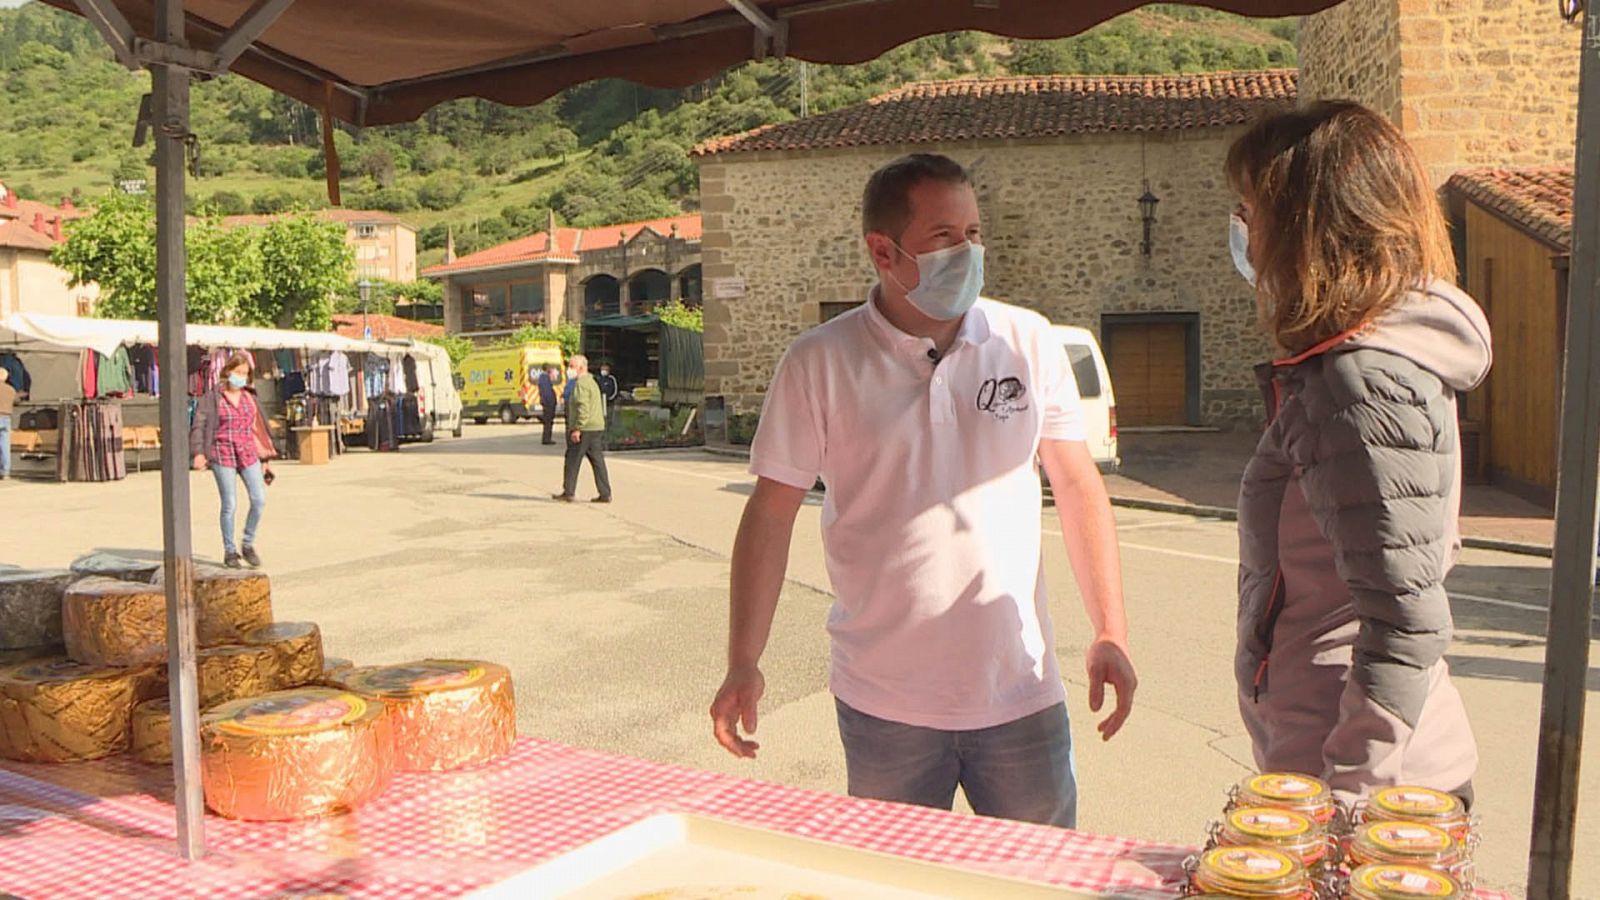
(728, 288)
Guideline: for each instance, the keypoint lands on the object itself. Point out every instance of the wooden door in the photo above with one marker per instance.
(1150, 373)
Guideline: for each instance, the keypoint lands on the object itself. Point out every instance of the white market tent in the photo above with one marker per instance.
(23, 331)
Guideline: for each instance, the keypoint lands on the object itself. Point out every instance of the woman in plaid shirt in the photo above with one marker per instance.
(230, 435)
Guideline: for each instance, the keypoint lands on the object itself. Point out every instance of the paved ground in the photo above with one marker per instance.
(1204, 468)
(613, 618)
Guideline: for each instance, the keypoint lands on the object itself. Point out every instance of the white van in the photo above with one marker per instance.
(1094, 386)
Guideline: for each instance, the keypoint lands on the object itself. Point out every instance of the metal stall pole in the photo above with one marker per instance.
(171, 89)
(1555, 806)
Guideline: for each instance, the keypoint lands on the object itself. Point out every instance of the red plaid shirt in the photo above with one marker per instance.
(236, 433)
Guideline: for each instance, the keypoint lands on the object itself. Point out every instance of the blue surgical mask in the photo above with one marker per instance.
(948, 281)
(1239, 245)
(238, 382)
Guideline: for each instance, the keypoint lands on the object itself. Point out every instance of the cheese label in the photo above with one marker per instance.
(1275, 824)
(421, 677)
(1251, 864)
(1406, 881)
(1409, 837)
(291, 713)
(1287, 787)
(1415, 801)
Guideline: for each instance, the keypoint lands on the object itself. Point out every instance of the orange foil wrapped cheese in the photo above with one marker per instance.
(298, 646)
(235, 671)
(62, 711)
(446, 713)
(295, 754)
(151, 739)
(108, 622)
(229, 603)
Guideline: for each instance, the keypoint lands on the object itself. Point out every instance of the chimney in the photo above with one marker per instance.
(66, 204)
(38, 222)
(674, 230)
(55, 231)
(11, 199)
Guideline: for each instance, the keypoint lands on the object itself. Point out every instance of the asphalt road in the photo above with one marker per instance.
(613, 619)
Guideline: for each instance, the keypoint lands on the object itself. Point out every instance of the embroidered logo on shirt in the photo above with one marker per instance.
(1002, 397)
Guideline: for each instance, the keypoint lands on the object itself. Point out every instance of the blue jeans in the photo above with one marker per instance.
(1021, 770)
(228, 489)
(5, 446)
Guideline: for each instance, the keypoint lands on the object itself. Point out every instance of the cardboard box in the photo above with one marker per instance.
(315, 444)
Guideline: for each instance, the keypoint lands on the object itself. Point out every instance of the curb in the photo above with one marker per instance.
(1223, 513)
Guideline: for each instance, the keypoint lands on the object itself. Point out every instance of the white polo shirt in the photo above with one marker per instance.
(931, 522)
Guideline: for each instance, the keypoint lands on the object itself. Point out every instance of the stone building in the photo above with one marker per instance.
(1472, 83)
(1060, 165)
(579, 273)
(29, 282)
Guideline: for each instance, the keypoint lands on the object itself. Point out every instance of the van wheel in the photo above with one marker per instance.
(477, 420)
(508, 415)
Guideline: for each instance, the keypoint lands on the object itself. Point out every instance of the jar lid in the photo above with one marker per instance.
(1393, 882)
(1416, 803)
(1404, 842)
(1281, 787)
(1250, 871)
(1270, 824)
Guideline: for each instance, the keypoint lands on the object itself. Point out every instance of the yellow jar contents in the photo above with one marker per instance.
(1409, 843)
(1297, 793)
(1253, 872)
(1394, 882)
(1419, 804)
(1284, 830)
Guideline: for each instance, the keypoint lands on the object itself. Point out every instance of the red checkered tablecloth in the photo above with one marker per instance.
(99, 831)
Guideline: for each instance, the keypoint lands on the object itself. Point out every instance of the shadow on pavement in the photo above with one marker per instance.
(1491, 669)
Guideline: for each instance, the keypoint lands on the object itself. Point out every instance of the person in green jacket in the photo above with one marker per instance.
(586, 432)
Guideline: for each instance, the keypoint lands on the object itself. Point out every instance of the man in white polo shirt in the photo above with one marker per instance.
(923, 411)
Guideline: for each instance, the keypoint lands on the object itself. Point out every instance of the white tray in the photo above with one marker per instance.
(706, 857)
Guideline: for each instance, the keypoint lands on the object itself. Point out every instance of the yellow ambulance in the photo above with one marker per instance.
(504, 383)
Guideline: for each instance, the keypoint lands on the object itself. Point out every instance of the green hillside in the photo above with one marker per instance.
(605, 152)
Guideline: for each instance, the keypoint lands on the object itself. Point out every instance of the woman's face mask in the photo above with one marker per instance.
(948, 281)
(237, 381)
(1239, 246)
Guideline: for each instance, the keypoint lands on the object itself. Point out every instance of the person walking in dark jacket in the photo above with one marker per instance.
(586, 435)
(229, 434)
(1348, 512)
(547, 402)
(609, 389)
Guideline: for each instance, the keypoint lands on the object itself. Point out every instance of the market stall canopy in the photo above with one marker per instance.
(104, 336)
(379, 62)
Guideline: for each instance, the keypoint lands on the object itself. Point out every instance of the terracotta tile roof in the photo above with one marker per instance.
(341, 215)
(25, 210)
(568, 244)
(19, 235)
(383, 327)
(1537, 200)
(1006, 108)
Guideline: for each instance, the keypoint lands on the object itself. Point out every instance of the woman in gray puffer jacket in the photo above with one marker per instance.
(1348, 510)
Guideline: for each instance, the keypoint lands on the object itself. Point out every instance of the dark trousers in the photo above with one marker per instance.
(590, 445)
(547, 415)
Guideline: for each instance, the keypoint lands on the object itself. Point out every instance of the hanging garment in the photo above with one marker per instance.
(89, 374)
(412, 386)
(146, 369)
(20, 379)
(114, 377)
(329, 375)
(377, 371)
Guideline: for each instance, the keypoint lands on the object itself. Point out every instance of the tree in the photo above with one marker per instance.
(454, 344)
(305, 262)
(568, 334)
(377, 162)
(224, 274)
(228, 203)
(114, 247)
(679, 316)
(272, 202)
(442, 190)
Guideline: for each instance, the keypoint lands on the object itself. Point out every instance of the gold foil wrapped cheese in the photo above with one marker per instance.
(229, 604)
(295, 754)
(235, 671)
(62, 711)
(114, 623)
(299, 649)
(30, 608)
(446, 713)
(151, 739)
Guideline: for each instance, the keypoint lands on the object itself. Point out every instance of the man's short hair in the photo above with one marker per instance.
(886, 203)
(578, 359)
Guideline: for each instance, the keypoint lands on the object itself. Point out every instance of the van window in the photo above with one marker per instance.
(1084, 369)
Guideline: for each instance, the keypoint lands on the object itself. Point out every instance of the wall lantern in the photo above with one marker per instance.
(1147, 212)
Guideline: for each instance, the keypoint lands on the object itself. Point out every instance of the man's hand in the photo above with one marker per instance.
(199, 462)
(736, 705)
(1108, 663)
(577, 436)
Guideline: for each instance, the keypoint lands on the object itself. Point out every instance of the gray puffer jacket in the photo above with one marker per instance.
(1347, 529)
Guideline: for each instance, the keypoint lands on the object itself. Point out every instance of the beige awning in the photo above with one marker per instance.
(378, 62)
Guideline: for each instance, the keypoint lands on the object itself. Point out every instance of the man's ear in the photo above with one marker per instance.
(881, 249)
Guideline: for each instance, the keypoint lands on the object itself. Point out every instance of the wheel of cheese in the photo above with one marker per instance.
(114, 623)
(446, 713)
(63, 711)
(110, 565)
(236, 671)
(29, 654)
(299, 649)
(229, 603)
(30, 607)
(151, 733)
(295, 754)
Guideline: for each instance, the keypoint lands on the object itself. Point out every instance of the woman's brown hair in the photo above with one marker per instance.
(237, 360)
(1344, 220)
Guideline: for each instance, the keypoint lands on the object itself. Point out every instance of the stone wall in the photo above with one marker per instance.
(1063, 229)
(1471, 82)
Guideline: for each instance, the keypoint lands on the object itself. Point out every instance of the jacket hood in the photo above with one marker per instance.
(1440, 329)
